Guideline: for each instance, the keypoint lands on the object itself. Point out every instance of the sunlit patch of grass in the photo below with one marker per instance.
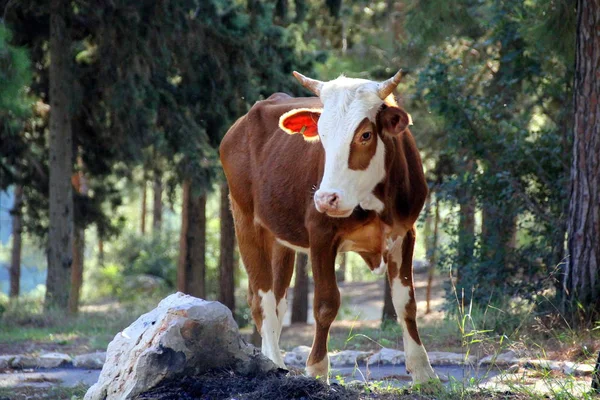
(91, 329)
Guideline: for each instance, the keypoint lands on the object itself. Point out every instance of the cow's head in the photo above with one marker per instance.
(356, 114)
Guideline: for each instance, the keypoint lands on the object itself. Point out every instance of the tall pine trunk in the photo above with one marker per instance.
(60, 240)
(227, 253)
(191, 269)
(582, 279)
(432, 245)
(300, 299)
(80, 186)
(157, 209)
(466, 235)
(15, 257)
(182, 284)
(77, 269)
(144, 211)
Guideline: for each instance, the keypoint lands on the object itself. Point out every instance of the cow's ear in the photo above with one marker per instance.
(393, 120)
(301, 120)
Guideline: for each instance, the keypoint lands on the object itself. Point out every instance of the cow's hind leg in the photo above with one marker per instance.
(400, 275)
(282, 267)
(256, 246)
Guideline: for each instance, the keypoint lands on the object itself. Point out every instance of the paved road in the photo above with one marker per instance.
(398, 373)
(49, 377)
(74, 376)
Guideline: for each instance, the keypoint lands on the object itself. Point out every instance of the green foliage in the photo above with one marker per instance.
(504, 137)
(15, 76)
(137, 266)
(15, 106)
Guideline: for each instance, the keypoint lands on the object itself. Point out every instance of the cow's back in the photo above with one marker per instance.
(270, 173)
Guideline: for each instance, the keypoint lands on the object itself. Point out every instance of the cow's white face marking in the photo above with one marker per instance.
(347, 102)
(270, 329)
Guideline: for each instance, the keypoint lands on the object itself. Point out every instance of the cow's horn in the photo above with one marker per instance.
(387, 87)
(311, 84)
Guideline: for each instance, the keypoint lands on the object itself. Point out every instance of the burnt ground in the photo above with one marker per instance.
(223, 385)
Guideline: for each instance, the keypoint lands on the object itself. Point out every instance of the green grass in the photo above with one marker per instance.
(34, 393)
(90, 330)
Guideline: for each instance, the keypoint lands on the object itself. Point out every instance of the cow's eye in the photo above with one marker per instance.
(365, 136)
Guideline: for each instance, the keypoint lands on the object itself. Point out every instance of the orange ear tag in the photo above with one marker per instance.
(303, 121)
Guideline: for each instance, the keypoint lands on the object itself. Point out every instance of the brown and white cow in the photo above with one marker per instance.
(337, 172)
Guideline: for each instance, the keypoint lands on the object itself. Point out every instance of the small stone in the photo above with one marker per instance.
(447, 358)
(576, 369)
(513, 369)
(545, 365)
(501, 360)
(90, 360)
(6, 361)
(297, 357)
(387, 357)
(348, 358)
(48, 360)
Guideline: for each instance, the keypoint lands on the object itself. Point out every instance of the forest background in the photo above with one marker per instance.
(112, 189)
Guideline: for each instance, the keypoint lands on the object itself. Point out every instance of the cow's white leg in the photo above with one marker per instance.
(270, 329)
(417, 361)
(403, 298)
(281, 310)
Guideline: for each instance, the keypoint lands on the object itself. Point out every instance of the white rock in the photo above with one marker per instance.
(90, 360)
(576, 369)
(446, 358)
(5, 361)
(501, 360)
(297, 357)
(348, 358)
(547, 365)
(182, 336)
(387, 356)
(47, 360)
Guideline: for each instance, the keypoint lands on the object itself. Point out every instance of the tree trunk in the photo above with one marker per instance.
(191, 270)
(432, 252)
(388, 315)
(300, 299)
(281, 11)
(60, 240)
(197, 246)
(227, 254)
(340, 273)
(182, 284)
(466, 234)
(301, 11)
(80, 186)
(101, 251)
(596, 376)
(157, 209)
(77, 269)
(582, 280)
(144, 212)
(17, 230)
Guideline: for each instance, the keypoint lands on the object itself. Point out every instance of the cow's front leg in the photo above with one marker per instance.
(400, 275)
(326, 304)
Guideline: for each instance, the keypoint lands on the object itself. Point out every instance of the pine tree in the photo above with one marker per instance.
(60, 234)
(582, 275)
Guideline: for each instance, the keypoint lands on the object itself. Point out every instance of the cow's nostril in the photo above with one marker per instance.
(333, 199)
